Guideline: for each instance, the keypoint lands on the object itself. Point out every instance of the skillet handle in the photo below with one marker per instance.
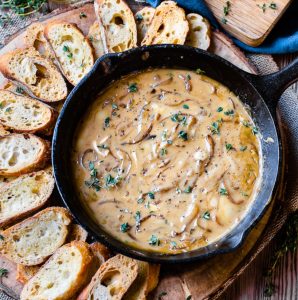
(273, 85)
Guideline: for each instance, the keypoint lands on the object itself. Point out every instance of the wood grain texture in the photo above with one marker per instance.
(246, 19)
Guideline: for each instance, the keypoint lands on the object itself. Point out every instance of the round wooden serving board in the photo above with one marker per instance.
(203, 280)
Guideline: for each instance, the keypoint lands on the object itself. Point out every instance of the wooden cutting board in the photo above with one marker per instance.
(201, 280)
(250, 21)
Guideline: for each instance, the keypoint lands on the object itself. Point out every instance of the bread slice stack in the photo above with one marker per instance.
(168, 25)
(37, 75)
(33, 240)
(24, 195)
(24, 114)
(22, 153)
(119, 24)
(72, 50)
(62, 276)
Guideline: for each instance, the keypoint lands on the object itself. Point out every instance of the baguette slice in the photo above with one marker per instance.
(168, 26)
(24, 114)
(37, 75)
(34, 37)
(145, 282)
(62, 276)
(100, 252)
(71, 48)
(199, 32)
(119, 24)
(33, 240)
(25, 273)
(97, 38)
(112, 279)
(143, 19)
(77, 233)
(22, 153)
(3, 131)
(25, 195)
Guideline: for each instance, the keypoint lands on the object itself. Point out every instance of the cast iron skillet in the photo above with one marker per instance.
(259, 93)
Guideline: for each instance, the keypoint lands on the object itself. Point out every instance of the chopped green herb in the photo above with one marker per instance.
(65, 48)
(124, 227)
(91, 38)
(161, 294)
(114, 106)
(215, 128)
(189, 297)
(255, 130)
(183, 135)
(224, 21)
(200, 71)
(245, 123)
(8, 109)
(140, 200)
(154, 240)
(179, 118)
(244, 194)
(229, 112)
(139, 17)
(170, 142)
(19, 90)
(132, 88)
(185, 106)
(1, 237)
(1, 105)
(103, 146)
(151, 195)
(223, 192)
(227, 8)
(273, 5)
(69, 55)
(107, 122)
(243, 148)
(188, 190)
(220, 109)
(110, 181)
(93, 182)
(4, 20)
(229, 147)
(206, 215)
(3, 272)
(138, 219)
(188, 77)
(83, 15)
(163, 151)
(178, 191)
(173, 244)
(262, 7)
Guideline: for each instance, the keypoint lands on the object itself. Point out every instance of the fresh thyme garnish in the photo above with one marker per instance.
(219, 109)
(3, 272)
(179, 118)
(206, 215)
(163, 151)
(245, 123)
(170, 142)
(151, 195)
(189, 297)
(227, 8)
(83, 15)
(1, 105)
(223, 192)
(262, 7)
(173, 245)
(91, 38)
(111, 181)
(224, 21)
(161, 294)
(200, 71)
(229, 147)
(124, 227)
(183, 135)
(188, 190)
(19, 90)
(229, 112)
(22, 7)
(139, 17)
(114, 106)
(140, 200)
(132, 88)
(138, 219)
(1, 237)
(67, 50)
(243, 148)
(103, 146)
(255, 130)
(107, 122)
(273, 5)
(185, 106)
(154, 240)
(215, 127)
(93, 182)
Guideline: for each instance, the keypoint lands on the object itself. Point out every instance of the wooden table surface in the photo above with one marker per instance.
(251, 284)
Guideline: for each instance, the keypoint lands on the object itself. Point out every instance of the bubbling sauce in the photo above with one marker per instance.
(167, 160)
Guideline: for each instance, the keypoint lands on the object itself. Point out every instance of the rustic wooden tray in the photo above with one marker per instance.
(204, 280)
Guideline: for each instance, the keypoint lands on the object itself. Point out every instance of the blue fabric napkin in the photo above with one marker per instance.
(282, 39)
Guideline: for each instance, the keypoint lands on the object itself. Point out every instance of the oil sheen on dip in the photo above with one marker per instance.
(167, 160)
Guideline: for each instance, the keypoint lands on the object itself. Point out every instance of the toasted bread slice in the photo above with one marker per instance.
(25, 195)
(62, 276)
(100, 252)
(119, 24)
(199, 32)
(3, 131)
(24, 114)
(97, 38)
(25, 273)
(33, 240)
(145, 282)
(22, 153)
(77, 233)
(34, 37)
(37, 75)
(143, 19)
(112, 279)
(71, 48)
(168, 26)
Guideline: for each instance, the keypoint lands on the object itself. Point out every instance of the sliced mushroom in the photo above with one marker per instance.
(187, 82)
(88, 156)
